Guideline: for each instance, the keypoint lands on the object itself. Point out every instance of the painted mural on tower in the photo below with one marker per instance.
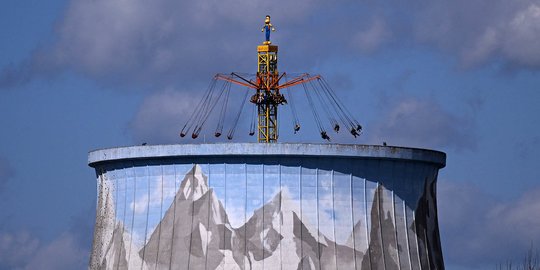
(224, 216)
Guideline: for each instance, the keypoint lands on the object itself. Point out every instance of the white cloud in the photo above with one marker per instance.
(422, 123)
(482, 47)
(479, 31)
(372, 38)
(480, 230)
(22, 250)
(522, 41)
(165, 42)
(61, 253)
(162, 115)
(17, 248)
(153, 42)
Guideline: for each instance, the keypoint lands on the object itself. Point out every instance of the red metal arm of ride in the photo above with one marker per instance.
(304, 78)
(276, 82)
(244, 82)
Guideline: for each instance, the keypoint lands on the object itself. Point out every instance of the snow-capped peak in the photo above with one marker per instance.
(194, 185)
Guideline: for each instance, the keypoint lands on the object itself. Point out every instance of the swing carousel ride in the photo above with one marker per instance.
(267, 88)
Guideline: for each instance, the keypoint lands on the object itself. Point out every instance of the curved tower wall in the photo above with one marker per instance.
(260, 206)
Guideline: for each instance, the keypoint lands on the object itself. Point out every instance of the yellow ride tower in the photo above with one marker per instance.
(267, 97)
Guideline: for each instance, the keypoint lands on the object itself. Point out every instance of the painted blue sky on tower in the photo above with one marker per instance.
(456, 76)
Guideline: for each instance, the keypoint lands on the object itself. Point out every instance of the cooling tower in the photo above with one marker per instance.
(266, 206)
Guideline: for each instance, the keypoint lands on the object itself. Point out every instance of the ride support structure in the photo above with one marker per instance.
(267, 85)
(267, 97)
(268, 88)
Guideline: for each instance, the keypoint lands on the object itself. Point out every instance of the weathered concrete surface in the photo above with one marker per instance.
(260, 149)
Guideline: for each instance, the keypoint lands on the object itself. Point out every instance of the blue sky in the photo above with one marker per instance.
(457, 76)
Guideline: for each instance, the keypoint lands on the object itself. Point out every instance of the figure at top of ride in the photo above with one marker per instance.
(267, 27)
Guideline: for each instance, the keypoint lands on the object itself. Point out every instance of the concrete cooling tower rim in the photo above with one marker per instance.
(258, 149)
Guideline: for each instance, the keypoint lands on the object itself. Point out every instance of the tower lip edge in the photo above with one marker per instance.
(167, 151)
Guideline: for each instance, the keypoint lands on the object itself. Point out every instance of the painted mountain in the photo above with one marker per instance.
(195, 233)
